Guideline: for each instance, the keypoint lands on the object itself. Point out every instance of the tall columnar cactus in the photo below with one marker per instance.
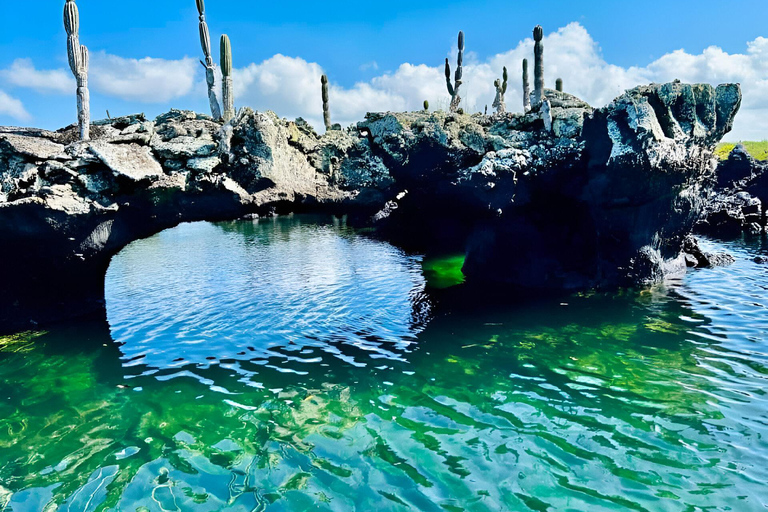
(526, 88)
(326, 106)
(501, 90)
(559, 85)
(78, 63)
(210, 67)
(538, 66)
(453, 89)
(227, 93)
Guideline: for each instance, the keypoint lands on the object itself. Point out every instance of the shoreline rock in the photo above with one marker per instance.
(738, 199)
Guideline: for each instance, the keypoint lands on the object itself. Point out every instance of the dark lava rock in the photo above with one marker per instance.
(598, 198)
(701, 259)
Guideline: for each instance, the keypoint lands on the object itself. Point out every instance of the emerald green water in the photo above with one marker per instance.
(293, 365)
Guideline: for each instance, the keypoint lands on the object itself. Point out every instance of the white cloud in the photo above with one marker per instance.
(22, 73)
(144, 80)
(13, 107)
(291, 86)
(373, 65)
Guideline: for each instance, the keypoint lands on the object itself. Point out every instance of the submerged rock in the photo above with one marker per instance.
(597, 197)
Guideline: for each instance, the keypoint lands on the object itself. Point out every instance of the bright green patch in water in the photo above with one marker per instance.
(444, 271)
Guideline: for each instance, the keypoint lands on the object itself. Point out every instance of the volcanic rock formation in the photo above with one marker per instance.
(596, 198)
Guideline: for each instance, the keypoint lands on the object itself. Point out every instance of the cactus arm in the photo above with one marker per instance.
(526, 88)
(205, 40)
(459, 63)
(326, 103)
(538, 66)
(504, 85)
(228, 97)
(210, 67)
(453, 89)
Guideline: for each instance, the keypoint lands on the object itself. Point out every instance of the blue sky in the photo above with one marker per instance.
(362, 46)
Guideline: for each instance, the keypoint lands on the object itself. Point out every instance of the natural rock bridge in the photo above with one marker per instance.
(600, 198)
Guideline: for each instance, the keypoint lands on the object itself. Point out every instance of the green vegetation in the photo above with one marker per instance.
(444, 271)
(758, 150)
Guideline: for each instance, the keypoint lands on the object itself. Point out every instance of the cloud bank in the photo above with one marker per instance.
(291, 86)
(13, 108)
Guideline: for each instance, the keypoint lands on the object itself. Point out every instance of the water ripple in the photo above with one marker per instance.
(287, 365)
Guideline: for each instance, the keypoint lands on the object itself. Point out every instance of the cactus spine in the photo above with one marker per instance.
(538, 66)
(326, 107)
(501, 90)
(559, 85)
(210, 67)
(453, 89)
(78, 63)
(227, 94)
(526, 88)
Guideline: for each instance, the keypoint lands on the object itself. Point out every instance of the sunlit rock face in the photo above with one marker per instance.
(566, 198)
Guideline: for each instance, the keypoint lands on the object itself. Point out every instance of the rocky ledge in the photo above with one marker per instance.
(568, 199)
(738, 199)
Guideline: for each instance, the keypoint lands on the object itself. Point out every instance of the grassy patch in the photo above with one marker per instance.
(758, 150)
(443, 271)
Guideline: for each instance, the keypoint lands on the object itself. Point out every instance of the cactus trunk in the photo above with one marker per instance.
(78, 63)
(84, 97)
(228, 95)
(538, 66)
(526, 88)
(559, 85)
(210, 67)
(453, 88)
(546, 114)
(326, 106)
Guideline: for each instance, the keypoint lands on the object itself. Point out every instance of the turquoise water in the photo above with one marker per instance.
(293, 364)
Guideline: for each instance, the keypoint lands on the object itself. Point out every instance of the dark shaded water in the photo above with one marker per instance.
(295, 365)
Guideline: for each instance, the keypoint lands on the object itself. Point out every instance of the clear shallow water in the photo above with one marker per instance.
(295, 365)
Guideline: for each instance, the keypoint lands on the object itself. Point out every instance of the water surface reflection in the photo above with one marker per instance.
(640, 401)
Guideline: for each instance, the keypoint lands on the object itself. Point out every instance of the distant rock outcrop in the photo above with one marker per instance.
(572, 199)
(738, 201)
